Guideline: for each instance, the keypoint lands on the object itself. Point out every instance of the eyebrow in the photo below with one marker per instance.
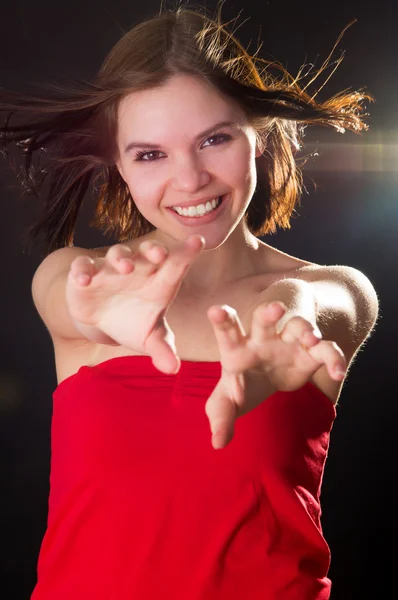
(208, 131)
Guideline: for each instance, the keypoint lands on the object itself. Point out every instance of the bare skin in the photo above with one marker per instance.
(158, 274)
(128, 293)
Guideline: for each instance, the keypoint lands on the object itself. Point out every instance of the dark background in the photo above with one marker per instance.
(349, 216)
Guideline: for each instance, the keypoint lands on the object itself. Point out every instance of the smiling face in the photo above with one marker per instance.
(173, 152)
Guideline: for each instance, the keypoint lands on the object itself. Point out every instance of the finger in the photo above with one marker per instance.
(154, 252)
(149, 256)
(83, 269)
(222, 413)
(228, 329)
(120, 258)
(160, 345)
(298, 329)
(264, 321)
(145, 259)
(329, 354)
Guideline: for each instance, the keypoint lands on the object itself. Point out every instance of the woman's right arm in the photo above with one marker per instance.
(48, 291)
(117, 298)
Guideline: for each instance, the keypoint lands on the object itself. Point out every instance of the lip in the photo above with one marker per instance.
(195, 221)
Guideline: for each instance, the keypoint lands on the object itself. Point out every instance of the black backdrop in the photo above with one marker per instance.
(349, 217)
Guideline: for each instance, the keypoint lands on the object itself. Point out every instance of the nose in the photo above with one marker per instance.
(189, 175)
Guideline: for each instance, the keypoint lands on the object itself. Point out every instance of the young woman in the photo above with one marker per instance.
(198, 367)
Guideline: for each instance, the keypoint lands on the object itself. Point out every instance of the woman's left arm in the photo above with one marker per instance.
(307, 327)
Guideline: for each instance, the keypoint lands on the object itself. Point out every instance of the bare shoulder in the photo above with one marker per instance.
(51, 266)
(344, 293)
(338, 273)
(344, 280)
(286, 266)
(347, 305)
(70, 351)
(48, 292)
(281, 265)
(347, 300)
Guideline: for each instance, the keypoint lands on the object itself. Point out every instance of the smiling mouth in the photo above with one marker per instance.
(192, 211)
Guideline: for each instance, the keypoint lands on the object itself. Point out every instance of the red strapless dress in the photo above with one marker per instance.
(143, 508)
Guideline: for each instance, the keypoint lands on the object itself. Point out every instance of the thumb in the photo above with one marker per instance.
(160, 345)
(221, 412)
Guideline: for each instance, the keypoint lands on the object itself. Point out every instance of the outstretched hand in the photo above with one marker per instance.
(266, 359)
(126, 295)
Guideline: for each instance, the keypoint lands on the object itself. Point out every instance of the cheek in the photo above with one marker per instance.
(143, 184)
(231, 166)
(242, 166)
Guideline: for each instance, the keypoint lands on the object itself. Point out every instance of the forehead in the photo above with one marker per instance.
(182, 100)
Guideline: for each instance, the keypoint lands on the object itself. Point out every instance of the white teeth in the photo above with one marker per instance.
(197, 211)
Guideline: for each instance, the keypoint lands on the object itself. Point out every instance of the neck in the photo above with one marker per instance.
(216, 268)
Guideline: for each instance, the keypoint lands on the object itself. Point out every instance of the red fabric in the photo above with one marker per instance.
(143, 508)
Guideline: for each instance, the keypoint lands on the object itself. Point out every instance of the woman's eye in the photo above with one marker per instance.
(141, 154)
(221, 137)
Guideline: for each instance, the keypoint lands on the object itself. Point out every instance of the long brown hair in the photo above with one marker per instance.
(67, 138)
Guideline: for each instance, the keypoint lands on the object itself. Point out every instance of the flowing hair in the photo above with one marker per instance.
(67, 137)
